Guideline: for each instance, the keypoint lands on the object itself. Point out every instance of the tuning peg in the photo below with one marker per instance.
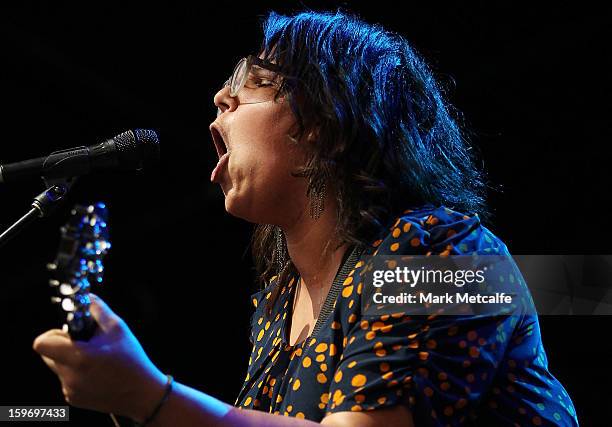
(56, 300)
(54, 283)
(51, 266)
(66, 290)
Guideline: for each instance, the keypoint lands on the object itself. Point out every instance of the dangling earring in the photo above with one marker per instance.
(281, 249)
(317, 200)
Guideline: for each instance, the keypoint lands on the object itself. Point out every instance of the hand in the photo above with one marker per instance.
(109, 373)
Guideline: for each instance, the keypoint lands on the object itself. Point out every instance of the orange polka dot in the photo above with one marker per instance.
(428, 391)
(387, 376)
(347, 291)
(300, 415)
(370, 335)
(461, 403)
(336, 325)
(338, 376)
(385, 329)
(377, 326)
(321, 378)
(407, 227)
(415, 242)
(356, 408)
(384, 367)
(321, 348)
(472, 335)
(423, 355)
(296, 384)
(353, 363)
(358, 380)
(474, 351)
(306, 362)
(381, 400)
(325, 397)
(320, 358)
(359, 398)
(248, 400)
(396, 232)
(352, 318)
(394, 247)
(332, 350)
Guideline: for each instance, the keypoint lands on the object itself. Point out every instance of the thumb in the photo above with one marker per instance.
(102, 314)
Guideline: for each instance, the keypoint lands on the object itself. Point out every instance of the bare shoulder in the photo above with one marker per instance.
(394, 416)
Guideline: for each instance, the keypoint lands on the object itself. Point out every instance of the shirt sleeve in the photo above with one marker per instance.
(399, 358)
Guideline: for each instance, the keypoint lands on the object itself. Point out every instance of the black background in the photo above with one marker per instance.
(530, 78)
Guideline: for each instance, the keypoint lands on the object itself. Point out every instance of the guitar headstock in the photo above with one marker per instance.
(78, 265)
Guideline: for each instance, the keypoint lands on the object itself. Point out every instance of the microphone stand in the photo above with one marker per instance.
(43, 204)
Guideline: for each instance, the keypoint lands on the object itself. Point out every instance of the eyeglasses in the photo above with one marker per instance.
(254, 74)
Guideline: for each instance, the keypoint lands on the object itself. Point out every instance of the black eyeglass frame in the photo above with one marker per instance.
(248, 62)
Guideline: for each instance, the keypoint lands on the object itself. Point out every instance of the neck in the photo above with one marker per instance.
(312, 246)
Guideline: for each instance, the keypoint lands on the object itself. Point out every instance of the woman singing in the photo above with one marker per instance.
(337, 141)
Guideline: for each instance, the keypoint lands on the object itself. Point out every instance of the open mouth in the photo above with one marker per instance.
(218, 141)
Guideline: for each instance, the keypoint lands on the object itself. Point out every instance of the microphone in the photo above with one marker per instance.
(130, 150)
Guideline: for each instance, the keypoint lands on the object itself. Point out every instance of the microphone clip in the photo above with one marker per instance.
(43, 204)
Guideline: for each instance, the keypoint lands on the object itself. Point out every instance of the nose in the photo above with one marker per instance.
(223, 101)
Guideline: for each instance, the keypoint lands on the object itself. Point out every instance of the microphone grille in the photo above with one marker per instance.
(138, 148)
(149, 145)
(125, 142)
(147, 136)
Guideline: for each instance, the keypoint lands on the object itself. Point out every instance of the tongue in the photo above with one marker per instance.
(220, 165)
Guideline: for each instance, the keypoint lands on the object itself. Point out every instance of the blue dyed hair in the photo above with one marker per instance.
(385, 136)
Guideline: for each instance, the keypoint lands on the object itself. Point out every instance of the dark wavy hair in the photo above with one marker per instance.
(385, 136)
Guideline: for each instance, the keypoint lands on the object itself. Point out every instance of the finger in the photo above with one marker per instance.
(45, 335)
(57, 346)
(102, 313)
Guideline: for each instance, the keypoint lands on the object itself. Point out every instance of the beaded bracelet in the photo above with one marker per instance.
(169, 382)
